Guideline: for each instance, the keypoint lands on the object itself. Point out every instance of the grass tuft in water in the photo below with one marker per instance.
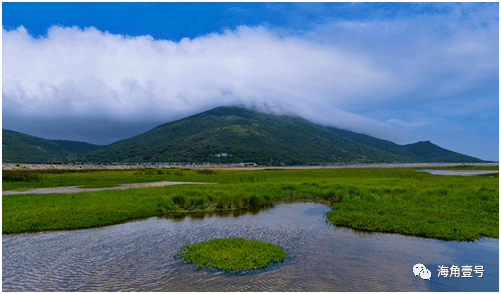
(230, 254)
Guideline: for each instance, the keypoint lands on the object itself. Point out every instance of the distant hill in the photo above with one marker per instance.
(22, 148)
(246, 135)
(429, 152)
(231, 135)
(388, 146)
(423, 151)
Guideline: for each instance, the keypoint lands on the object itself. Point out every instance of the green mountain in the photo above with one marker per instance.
(18, 147)
(423, 151)
(245, 135)
(429, 152)
(388, 146)
(231, 135)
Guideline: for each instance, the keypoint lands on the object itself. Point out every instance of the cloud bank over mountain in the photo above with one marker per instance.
(328, 74)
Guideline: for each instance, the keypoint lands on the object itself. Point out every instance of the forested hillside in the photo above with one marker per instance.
(231, 135)
(18, 147)
(246, 135)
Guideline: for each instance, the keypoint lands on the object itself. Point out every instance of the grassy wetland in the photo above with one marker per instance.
(397, 200)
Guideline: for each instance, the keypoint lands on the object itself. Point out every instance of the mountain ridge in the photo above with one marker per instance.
(245, 135)
(18, 147)
(232, 134)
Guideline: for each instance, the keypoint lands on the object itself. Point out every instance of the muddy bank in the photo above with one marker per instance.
(75, 189)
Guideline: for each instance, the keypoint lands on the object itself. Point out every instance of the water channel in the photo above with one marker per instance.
(136, 256)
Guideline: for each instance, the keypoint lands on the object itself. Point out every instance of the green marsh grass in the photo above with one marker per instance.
(20, 176)
(397, 200)
(230, 254)
(88, 178)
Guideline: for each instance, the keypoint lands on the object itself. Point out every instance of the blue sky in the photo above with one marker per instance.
(406, 72)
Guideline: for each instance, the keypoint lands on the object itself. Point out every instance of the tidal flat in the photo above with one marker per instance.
(392, 200)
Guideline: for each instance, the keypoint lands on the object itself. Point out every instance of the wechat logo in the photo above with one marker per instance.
(420, 270)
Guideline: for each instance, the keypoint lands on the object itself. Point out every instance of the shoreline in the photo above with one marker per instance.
(23, 166)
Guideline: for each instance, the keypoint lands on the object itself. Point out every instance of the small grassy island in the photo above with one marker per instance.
(231, 254)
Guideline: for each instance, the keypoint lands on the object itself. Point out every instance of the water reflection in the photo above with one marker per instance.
(136, 256)
(179, 216)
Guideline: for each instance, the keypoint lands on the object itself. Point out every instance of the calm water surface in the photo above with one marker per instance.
(458, 172)
(136, 256)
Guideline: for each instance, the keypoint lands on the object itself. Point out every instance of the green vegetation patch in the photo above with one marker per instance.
(12, 180)
(441, 213)
(396, 200)
(231, 254)
(20, 176)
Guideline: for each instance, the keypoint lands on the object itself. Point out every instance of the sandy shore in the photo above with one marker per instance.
(22, 166)
(373, 165)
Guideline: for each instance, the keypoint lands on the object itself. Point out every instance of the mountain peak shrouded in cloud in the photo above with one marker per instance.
(86, 71)
(232, 135)
(383, 74)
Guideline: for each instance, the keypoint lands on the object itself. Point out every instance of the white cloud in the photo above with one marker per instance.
(430, 56)
(323, 75)
(89, 66)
